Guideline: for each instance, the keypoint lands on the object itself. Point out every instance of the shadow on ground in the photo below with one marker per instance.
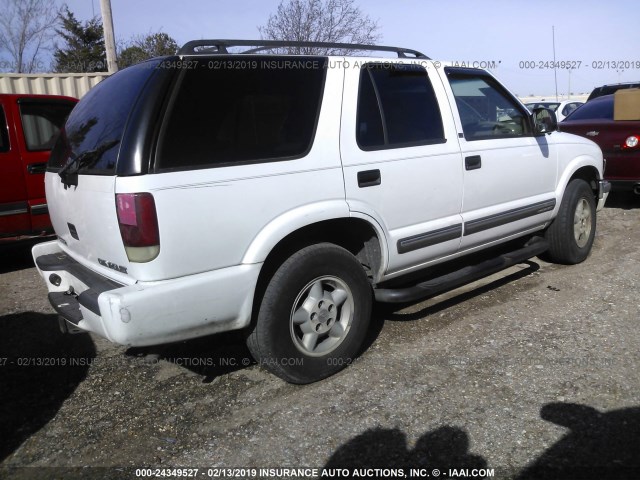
(209, 357)
(16, 256)
(623, 200)
(390, 309)
(443, 448)
(598, 445)
(39, 369)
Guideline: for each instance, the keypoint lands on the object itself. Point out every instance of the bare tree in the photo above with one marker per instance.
(27, 28)
(335, 21)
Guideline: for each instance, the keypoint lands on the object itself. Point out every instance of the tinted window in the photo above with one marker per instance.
(601, 108)
(41, 123)
(264, 110)
(486, 110)
(4, 133)
(95, 127)
(397, 107)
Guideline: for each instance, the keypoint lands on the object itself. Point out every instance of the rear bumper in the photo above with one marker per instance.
(625, 185)
(147, 313)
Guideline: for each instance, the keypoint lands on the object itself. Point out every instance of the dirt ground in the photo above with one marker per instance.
(532, 373)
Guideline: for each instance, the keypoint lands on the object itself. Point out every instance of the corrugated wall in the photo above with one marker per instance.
(70, 84)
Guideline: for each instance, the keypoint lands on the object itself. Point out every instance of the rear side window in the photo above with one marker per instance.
(4, 132)
(92, 135)
(41, 123)
(601, 108)
(254, 111)
(397, 107)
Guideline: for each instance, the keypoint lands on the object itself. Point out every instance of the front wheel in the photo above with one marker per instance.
(571, 234)
(314, 315)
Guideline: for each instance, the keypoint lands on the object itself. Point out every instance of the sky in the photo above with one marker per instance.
(600, 40)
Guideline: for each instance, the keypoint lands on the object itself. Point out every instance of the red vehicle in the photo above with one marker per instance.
(29, 126)
(619, 140)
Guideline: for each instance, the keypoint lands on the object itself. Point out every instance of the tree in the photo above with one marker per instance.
(142, 48)
(27, 28)
(337, 21)
(84, 50)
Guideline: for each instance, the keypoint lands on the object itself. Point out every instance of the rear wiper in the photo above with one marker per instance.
(70, 177)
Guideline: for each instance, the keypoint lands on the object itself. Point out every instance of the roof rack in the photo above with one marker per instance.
(201, 47)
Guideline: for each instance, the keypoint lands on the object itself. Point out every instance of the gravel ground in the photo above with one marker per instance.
(531, 372)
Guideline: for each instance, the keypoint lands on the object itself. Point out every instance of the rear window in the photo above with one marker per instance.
(91, 137)
(550, 106)
(601, 108)
(233, 112)
(397, 107)
(41, 122)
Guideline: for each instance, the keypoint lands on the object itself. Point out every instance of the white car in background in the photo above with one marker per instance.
(561, 109)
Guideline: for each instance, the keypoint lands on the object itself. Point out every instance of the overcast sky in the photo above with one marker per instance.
(597, 34)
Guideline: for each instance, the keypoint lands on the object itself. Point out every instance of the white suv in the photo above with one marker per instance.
(280, 194)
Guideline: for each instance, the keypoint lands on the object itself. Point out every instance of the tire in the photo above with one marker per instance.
(314, 315)
(571, 234)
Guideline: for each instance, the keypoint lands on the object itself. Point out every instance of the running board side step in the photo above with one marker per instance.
(471, 273)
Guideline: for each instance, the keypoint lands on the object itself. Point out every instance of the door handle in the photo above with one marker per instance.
(35, 168)
(473, 162)
(369, 178)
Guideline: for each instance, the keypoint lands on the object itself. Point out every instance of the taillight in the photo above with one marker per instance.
(631, 142)
(138, 223)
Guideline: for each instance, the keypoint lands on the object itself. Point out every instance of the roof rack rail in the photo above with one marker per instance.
(196, 47)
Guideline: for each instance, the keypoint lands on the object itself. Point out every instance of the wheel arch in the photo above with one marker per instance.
(355, 235)
(583, 169)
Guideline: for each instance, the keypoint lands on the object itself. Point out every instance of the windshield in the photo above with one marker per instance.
(90, 139)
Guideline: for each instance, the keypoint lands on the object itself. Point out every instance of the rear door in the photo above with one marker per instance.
(14, 210)
(401, 159)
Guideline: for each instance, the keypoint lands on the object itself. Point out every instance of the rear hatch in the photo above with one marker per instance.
(104, 137)
(610, 135)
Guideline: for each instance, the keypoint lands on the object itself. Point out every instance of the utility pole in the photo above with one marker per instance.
(555, 70)
(109, 37)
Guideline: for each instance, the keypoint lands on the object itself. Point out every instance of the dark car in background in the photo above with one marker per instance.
(619, 140)
(611, 89)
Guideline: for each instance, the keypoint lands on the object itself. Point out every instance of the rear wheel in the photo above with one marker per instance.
(571, 234)
(314, 315)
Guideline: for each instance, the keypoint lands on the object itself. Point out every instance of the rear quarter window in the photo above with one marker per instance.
(94, 130)
(255, 111)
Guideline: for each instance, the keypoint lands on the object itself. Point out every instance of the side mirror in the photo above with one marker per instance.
(544, 121)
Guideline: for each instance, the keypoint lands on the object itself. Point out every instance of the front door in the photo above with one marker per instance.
(509, 174)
